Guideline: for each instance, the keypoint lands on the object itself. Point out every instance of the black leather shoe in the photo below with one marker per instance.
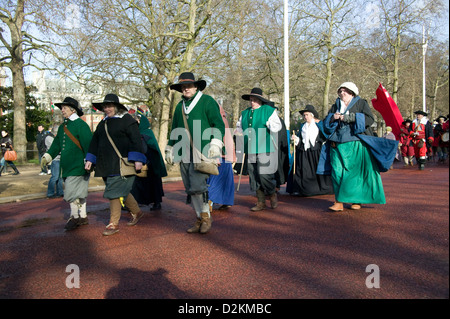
(72, 223)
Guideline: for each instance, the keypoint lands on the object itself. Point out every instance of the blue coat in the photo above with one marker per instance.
(383, 150)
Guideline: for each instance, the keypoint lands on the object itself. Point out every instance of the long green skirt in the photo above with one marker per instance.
(355, 174)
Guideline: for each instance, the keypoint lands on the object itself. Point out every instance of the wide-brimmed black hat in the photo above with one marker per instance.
(311, 109)
(440, 117)
(421, 112)
(68, 101)
(258, 93)
(187, 78)
(109, 98)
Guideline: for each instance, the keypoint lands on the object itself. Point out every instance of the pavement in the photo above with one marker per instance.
(29, 184)
(299, 250)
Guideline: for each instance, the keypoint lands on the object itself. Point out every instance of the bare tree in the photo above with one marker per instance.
(330, 28)
(400, 18)
(16, 46)
(143, 42)
(438, 76)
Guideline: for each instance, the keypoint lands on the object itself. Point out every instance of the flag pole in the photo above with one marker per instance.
(424, 53)
(286, 65)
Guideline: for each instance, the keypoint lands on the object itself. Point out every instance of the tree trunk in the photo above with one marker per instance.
(396, 66)
(410, 114)
(433, 107)
(16, 65)
(20, 138)
(326, 90)
(165, 119)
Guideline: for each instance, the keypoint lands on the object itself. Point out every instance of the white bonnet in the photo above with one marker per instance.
(351, 86)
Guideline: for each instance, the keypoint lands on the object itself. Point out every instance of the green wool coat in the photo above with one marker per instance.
(72, 158)
(204, 121)
(257, 137)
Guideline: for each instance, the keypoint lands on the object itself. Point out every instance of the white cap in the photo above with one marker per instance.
(351, 86)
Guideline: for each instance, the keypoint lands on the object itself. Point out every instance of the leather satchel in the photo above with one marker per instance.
(126, 167)
(206, 165)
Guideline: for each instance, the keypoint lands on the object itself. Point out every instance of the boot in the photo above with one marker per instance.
(135, 218)
(261, 201)
(111, 229)
(206, 223)
(421, 162)
(196, 227)
(72, 223)
(337, 207)
(16, 171)
(411, 161)
(406, 161)
(274, 200)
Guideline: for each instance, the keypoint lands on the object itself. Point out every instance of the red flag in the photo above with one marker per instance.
(388, 110)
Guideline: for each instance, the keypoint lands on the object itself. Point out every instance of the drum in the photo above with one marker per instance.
(445, 137)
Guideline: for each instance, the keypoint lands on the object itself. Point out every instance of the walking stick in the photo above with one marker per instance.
(293, 133)
(240, 175)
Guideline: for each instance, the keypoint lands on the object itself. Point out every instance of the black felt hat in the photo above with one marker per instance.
(440, 117)
(421, 112)
(311, 109)
(68, 101)
(258, 93)
(188, 78)
(109, 98)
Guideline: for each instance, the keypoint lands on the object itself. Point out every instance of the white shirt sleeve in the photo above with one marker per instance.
(238, 129)
(274, 122)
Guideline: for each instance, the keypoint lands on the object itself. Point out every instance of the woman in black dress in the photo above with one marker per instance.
(308, 145)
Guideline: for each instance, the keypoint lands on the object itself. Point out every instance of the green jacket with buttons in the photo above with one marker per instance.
(204, 122)
(257, 137)
(72, 157)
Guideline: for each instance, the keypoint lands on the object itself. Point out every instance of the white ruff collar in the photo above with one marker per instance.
(423, 121)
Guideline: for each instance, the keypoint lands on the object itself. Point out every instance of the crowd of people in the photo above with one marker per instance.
(329, 156)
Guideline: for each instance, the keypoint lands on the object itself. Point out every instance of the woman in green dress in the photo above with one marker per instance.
(354, 171)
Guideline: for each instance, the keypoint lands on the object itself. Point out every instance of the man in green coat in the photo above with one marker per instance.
(206, 127)
(259, 125)
(72, 141)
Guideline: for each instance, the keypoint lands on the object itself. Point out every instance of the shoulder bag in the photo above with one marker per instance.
(206, 165)
(126, 168)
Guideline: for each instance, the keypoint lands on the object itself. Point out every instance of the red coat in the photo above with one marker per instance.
(421, 133)
(405, 138)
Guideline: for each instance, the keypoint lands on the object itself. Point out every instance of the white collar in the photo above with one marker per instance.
(193, 103)
(73, 117)
(309, 134)
(423, 121)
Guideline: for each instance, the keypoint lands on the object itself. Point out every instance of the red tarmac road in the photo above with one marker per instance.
(299, 250)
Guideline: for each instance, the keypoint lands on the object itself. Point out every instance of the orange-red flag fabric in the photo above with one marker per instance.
(388, 109)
